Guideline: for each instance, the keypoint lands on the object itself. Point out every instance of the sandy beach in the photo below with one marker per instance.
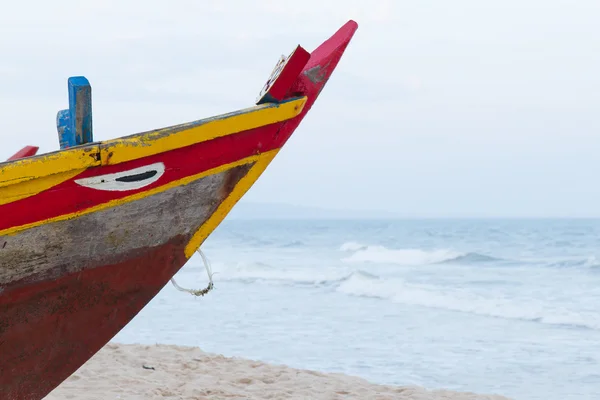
(121, 371)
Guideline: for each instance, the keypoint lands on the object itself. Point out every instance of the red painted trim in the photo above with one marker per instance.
(316, 73)
(284, 76)
(26, 151)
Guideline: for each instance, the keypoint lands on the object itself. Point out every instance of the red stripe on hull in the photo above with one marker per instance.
(50, 329)
(69, 197)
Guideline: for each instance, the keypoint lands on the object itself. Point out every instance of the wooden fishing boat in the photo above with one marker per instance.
(91, 233)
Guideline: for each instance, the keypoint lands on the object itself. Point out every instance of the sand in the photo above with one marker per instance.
(134, 372)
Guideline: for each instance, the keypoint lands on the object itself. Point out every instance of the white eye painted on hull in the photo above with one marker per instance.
(132, 179)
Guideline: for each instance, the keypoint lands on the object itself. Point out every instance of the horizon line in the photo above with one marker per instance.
(392, 215)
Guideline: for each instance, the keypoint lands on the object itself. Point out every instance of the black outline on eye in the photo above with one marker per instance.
(137, 177)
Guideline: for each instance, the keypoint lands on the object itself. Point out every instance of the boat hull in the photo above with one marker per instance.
(88, 236)
(68, 298)
(58, 325)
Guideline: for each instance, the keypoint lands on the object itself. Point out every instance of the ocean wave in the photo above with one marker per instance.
(474, 258)
(352, 246)
(293, 244)
(406, 257)
(409, 257)
(264, 273)
(398, 291)
(587, 262)
(361, 283)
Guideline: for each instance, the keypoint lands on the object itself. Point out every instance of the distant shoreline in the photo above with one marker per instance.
(281, 211)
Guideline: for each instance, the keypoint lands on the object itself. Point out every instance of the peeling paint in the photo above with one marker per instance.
(316, 74)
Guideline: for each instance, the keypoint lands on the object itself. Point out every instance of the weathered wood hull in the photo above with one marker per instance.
(88, 236)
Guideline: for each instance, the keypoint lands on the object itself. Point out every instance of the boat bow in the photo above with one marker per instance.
(91, 233)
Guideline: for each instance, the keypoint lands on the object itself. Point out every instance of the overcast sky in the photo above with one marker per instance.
(448, 108)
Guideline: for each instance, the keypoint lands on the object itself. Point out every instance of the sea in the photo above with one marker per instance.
(510, 307)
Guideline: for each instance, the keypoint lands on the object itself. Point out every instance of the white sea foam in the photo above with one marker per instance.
(364, 284)
(458, 300)
(404, 257)
(281, 275)
(591, 262)
(577, 262)
(352, 246)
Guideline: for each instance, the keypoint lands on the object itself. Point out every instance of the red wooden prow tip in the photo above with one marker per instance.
(318, 65)
(26, 151)
(283, 76)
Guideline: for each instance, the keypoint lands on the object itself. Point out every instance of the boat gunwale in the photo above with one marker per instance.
(143, 144)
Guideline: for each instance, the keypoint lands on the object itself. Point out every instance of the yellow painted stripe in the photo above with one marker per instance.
(47, 164)
(134, 197)
(25, 189)
(126, 149)
(225, 207)
(148, 143)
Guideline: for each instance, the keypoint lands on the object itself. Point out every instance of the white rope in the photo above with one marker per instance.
(198, 292)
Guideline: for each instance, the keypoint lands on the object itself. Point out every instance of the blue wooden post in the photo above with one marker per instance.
(63, 125)
(75, 124)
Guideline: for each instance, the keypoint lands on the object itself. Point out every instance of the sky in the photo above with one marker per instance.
(438, 108)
